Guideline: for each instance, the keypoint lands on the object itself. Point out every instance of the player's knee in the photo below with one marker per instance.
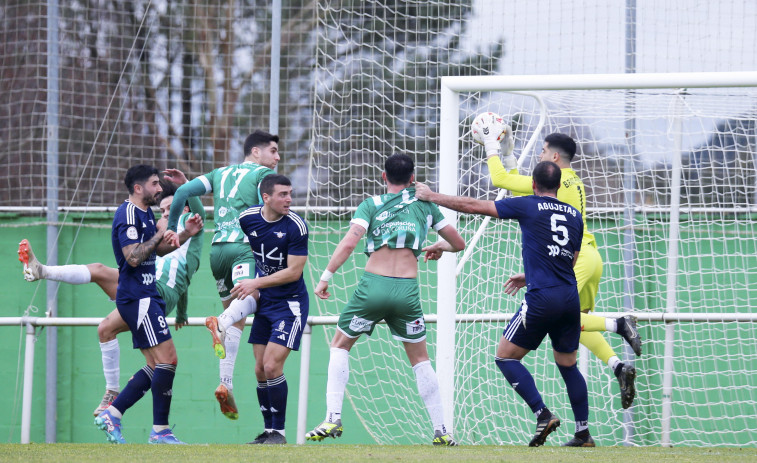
(259, 371)
(105, 331)
(97, 271)
(272, 369)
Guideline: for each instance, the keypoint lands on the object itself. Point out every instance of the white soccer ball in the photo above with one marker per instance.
(486, 123)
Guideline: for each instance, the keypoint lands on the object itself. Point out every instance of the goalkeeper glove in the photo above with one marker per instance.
(508, 158)
(488, 130)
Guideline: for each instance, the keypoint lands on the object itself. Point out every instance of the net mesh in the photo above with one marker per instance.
(180, 84)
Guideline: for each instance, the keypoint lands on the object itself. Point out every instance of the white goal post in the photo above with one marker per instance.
(659, 201)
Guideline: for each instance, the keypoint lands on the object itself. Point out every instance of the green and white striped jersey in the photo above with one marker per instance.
(397, 220)
(235, 188)
(177, 267)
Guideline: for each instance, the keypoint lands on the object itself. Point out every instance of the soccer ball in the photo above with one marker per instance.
(486, 122)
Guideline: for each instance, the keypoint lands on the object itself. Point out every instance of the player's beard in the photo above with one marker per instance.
(152, 200)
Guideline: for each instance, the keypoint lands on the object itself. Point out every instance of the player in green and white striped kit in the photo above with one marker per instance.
(174, 271)
(234, 188)
(395, 226)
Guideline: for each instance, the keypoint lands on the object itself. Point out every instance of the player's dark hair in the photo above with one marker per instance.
(399, 168)
(138, 174)
(260, 139)
(169, 189)
(270, 181)
(547, 177)
(562, 143)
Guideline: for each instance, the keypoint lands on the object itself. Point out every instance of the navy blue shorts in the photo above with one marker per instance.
(554, 311)
(280, 322)
(146, 318)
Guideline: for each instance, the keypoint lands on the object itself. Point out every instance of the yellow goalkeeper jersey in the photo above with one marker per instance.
(571, 191)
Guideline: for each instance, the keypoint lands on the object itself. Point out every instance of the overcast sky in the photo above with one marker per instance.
(589, 37)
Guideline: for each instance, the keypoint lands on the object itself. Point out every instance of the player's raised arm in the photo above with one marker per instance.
(456, 203)
(196, 187)
(343, 251)
(489, 129)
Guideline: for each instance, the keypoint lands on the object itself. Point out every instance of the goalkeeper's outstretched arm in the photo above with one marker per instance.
(489, 129)
(509, 180)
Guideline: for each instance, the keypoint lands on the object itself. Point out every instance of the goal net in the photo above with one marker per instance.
(669, 169)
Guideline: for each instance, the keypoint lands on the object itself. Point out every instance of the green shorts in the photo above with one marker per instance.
(395, 300)
(230, 263)
(169, 295)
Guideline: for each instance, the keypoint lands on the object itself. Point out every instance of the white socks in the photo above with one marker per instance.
(111, 354)
(72, 274)
(428, 387)
(339, 374)
(238, 310)
(611, 325)
(612, 362)
(233, 336)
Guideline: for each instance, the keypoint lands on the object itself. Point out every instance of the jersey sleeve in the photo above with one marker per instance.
(126, 232)
(196, 207)
(438, 221)
(196, 187)
(510, 208)
(363, 214)
(512, 180)
(181, 308)
(298, 244)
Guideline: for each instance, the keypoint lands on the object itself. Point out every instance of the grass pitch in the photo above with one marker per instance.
(331, 453)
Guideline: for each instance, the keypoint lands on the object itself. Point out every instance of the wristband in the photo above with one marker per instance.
(326, 276)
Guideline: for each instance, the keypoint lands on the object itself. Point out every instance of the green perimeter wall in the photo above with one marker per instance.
(195, 411)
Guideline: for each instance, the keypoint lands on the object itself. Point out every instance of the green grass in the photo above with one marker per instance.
(347, 453)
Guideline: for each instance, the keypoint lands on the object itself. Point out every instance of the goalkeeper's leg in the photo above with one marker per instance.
(625, 372)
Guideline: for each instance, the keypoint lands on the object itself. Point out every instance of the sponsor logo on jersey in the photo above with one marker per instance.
(241, 270)
(358, 324)
(553, 249)
(148, 278)
(222, 211)
(132, 233)
(383, 216)
(279, 234)
(416, 326)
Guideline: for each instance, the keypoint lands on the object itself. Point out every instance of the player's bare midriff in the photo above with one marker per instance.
(397, 263)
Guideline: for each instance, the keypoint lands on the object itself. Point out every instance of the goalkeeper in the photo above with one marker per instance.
(560, 149)
(173, 273)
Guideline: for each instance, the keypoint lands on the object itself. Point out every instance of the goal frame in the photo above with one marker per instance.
(451, 87)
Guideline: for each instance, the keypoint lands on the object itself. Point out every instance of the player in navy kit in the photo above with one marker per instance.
(136, 240)
(279, 242)
(552, 232)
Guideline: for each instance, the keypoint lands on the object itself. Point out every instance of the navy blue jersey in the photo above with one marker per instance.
(133, 225)
(552, 232)
(272, 243)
